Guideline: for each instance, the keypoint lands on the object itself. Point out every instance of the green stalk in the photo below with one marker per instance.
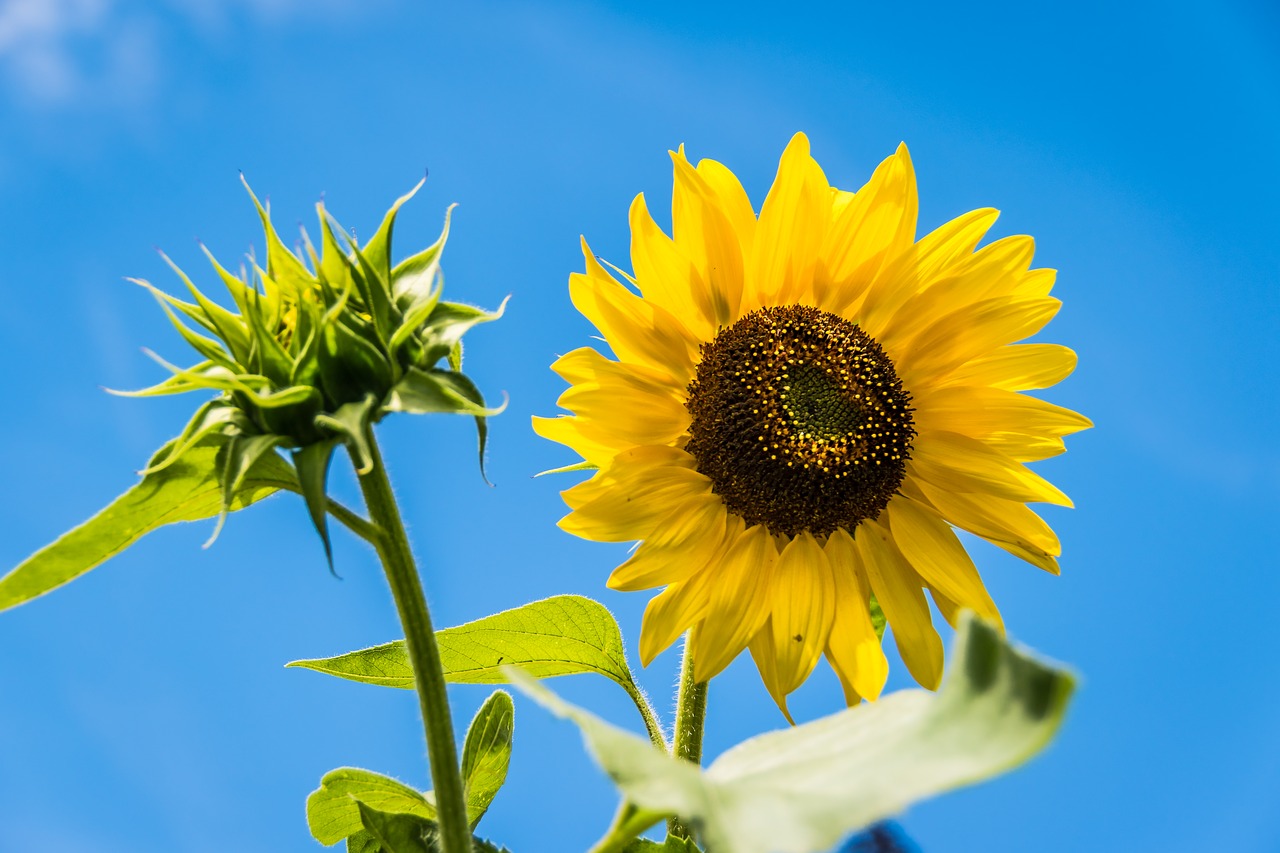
(691, 713)
(424, 657)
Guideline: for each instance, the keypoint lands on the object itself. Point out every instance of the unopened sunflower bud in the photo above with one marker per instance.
(321, 346)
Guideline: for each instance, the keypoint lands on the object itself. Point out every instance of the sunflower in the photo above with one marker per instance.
(801, 407)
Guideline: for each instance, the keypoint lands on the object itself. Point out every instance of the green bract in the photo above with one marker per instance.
(322, 347)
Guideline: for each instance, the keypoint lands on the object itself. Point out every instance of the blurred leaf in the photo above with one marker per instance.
(186, 490)
(487, 753)
(801, 790)
(333, 812)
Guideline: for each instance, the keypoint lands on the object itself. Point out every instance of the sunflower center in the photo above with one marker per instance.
(800, 421)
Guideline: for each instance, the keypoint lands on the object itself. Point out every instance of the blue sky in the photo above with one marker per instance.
(144, 707)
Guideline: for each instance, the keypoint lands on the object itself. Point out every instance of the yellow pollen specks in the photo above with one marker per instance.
(823, 396)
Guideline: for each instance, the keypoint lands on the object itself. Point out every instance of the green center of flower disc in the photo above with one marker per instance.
(800, 421)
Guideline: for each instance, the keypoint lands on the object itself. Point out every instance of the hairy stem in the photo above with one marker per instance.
(424, 657)
(691, 712)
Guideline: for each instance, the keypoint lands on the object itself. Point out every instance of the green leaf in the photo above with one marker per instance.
(487, 753)
(399, 833)
(403, 833)
(363, 842)
(803, 789)
(186, 490)
(333, 812)
(561, 635)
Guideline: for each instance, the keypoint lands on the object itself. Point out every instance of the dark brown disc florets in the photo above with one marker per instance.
(800, 421)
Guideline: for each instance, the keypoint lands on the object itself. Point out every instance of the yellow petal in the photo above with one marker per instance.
(626, 501)
(704, 233)
(620, 405)
(933, 550)
(1017, 367)
(917, 267)
(765, 654)
(666, 274)
(565, 430)
(949, 609)
(684, 542)
(869, 230)
(1025, 448)
(732, 199)
(993, 271)
(620, 412)
(901, 596)
(803, 606)
(792, 223)
(978, 411)
(952, 461)
(739, 602)
(1008, 524)
(638, 331)
(854, 650)
(970, 332)
(669, 614)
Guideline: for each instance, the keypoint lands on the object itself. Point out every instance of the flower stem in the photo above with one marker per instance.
(424, 657)
(691, 713)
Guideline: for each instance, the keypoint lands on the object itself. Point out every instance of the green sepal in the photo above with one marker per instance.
(332, 814)
(222, 322)
(312, 465)
(378, 250)
(207, 347)
(377, 293)
(878, 620)
(187, 490)
(486, 753)
(449, 321)
(443, 391)
(414, 278)
(283, 267)
(267, 356)
(801, 790)
(584, 465)
(455, 357)
(336, 268)
(213, 417)
(436, 391)
(351, 366)
(415, 316)
(352, 421)
(234, 461)
(239, 290)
